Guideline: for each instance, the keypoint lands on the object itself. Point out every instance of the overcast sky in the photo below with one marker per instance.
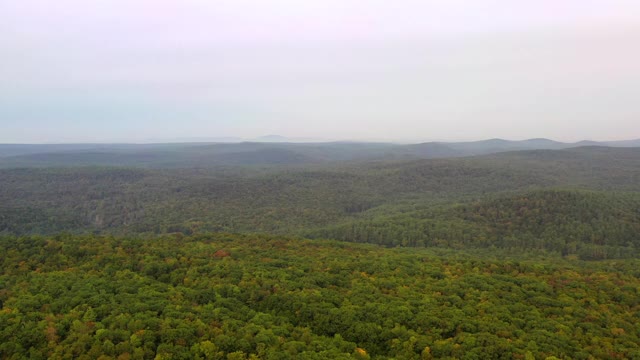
(131, 71)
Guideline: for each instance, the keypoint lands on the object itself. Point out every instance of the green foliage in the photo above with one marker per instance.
(487, 259)
(500, 200)
(592, 225)
(277, 298)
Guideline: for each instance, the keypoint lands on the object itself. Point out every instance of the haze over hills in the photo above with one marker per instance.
(271, 151)
(235, 139)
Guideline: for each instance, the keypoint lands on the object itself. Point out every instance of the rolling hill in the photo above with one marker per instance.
(188, 155)
(314, 199)
(592, 225)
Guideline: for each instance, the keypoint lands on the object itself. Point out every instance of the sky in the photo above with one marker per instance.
(402, 70)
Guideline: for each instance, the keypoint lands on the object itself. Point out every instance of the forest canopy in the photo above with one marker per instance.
(580, 201)
(224, 296)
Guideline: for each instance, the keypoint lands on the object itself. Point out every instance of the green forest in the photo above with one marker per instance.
(581, 201)
(228, 296)
(330, 251)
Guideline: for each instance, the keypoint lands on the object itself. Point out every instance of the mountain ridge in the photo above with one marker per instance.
(220, 154)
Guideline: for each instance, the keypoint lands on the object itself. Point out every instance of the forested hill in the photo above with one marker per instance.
(320, 200)
(212, 262)
(592, 225)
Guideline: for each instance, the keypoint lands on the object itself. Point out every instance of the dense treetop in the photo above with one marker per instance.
(226, 296)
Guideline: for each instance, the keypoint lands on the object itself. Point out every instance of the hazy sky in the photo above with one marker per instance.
(127, 70)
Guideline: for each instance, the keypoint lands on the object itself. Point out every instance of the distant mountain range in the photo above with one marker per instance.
(236, 139)
(269, 150)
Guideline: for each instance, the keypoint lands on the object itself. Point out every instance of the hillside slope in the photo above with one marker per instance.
(306, 199)
(593, 225)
